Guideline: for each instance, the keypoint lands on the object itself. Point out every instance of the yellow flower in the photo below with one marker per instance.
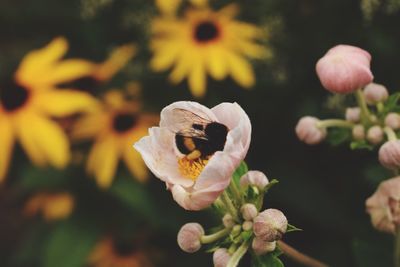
(53, 206)
(31, 98)
(170, 7)
(206, 41)
(113, 253)
(114, 128)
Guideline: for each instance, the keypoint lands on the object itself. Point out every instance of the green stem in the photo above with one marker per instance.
(391, 135)
(335, 123)
(207, 239)
(239, 253)
(380, 107)
(397, 248)
(229, 206)
(236, 192)
(365, 114)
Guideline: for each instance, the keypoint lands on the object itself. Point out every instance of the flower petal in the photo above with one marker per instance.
(216, 63)
(6, 144)
(103, 160)
(135, 163)
(65, 102)
(197, 78)
(241, 70)
(239, 136)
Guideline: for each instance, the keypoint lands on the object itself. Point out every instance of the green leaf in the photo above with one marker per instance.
(70, 244)
(361, 145)
(268, 260)
(338, 136)
(292, 228)
(391, 103)
(240, 171)
(34, 179)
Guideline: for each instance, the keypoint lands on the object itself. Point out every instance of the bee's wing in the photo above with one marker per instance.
(182, 122)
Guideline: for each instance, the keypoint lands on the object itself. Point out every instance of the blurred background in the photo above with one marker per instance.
(322, 189)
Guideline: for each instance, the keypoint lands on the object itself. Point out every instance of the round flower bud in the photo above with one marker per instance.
(189, 237)
(221, 257)
(392, 120)
(261, 247)
(249, 211)
(308, 131)
(384, 206)
(389, 154)
(254, 178)
(375, 93)
(270, 225)
(353, 114)
(358, 132)
(344, 69)
(247, 225)
(228, 221)
(375, 135)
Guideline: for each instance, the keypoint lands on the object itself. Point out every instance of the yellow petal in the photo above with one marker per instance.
(165, 57)
(24, 124)
(241, 70)
(168, 7)
(231, 10)
(253, 50)
(65, 102)
(181, 69)
(89, 126)
(65, 71)
(116, 61)
(216, 63)
(103, 160)
(6, 145)
(197, 78)
(135, 163)
(39, 59)
(199, 3)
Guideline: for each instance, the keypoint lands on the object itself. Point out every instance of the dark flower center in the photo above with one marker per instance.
(87, 84)
(124, 121)
(124, 247)
(206, 31)
(13, 96)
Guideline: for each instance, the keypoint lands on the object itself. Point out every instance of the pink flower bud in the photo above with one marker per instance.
(247, 225)
(254, 178)
(308, 131)
(375, 93)
(375, 135)
(228, 221)
(344, 69)
(353, 114)
(249, 211)
(189, 237)
(384, 206)
(389, 154)
(358, 132)
(270, 225)
(261, 247)
(392, 120)
(221, 257)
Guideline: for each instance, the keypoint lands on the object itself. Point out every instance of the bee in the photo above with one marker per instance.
(197, 136)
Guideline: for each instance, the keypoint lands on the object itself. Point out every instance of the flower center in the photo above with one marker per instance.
(191, 169)
(124, 247)
(124, 121)
(206, 31)
(13, 96)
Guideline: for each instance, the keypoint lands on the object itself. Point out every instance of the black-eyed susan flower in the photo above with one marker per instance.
(196, 150)
(111, 252)
(52, 206)
(203, 42)
(170, 7)
(30, 99)
(114, 128)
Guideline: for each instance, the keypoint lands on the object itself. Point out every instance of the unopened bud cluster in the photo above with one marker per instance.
(244, 225)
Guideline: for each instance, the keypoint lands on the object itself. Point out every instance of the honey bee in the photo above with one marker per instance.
(197, 136)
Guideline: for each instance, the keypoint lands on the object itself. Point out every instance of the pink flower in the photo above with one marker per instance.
(389, 154)
(344, 69)
(189, 237)
(221, 257)
(383, 206)
(375, 93)
(307, 131)
(270, 225)
(194, 159)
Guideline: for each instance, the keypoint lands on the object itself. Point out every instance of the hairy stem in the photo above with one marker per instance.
(391, 135)
(207, 239)
(229, 206)
(239, 253)
(300, 257)
(334, 123)
(365, 113)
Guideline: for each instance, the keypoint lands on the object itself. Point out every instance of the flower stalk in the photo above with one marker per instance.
(391, 135)
(334, 123)
(229, 206)
(239, 253)
(365, 113)
(208, 239)
(300, 257)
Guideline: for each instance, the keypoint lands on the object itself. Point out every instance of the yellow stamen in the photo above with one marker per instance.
(191, 169)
